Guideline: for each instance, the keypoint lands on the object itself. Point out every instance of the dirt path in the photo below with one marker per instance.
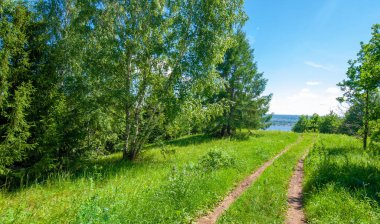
(295, 213)
(211, 217)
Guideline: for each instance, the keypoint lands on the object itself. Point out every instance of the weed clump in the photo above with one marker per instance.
(91, 211)
(216, 159)
(165, 150)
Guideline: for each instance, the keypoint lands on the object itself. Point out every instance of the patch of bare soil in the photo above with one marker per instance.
(295, 214)
(212, 216)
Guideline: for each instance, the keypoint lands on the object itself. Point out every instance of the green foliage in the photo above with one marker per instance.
(216, 159)
(314, 123)
(352, 120)
(157, 56)
(242, 91)
(15, 143)
(374, 144)
(307, 124)
(80, 78)
(193, 118)
(374, 125)
(363, 80)
(329, 123)
(302, 125)
(16, 88)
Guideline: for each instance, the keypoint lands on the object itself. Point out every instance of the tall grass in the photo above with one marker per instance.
(173, 183)
(342, 182)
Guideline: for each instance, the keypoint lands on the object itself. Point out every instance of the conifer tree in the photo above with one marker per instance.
(244, 85)
(15, 84)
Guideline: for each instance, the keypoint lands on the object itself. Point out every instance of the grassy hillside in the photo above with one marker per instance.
(158, 188)
(342, 182)
(179, 181)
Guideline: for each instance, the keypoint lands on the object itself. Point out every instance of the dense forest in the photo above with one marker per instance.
(80, 79)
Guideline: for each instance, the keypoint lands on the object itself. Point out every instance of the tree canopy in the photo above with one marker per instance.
(81, 78)
(242, 91)
(363, 80)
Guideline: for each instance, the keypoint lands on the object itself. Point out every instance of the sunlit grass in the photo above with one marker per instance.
(154, 189)
(342, 182)
(266, 200)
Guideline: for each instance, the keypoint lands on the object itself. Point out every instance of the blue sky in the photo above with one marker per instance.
(303, 46)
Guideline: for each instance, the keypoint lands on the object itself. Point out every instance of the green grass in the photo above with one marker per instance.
(174, 188)
(266, 200)
(342, 182)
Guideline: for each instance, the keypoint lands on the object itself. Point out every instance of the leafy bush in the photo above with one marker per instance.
(329, 123)
(216, 159)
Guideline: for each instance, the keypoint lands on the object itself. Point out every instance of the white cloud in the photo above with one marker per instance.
(333, 90)
(306, 101)
(312, 83)
(316, 65)
(304, 94)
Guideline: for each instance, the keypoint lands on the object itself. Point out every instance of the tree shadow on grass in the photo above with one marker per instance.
(191, 140)
(201, 139)
(105, 168)
(183, 141)
(98, 170)
(359, 179)
(102, 168)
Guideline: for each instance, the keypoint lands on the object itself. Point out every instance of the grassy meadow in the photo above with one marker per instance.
(182, 179)
(174, 183)
(342, 182)
(91, 91)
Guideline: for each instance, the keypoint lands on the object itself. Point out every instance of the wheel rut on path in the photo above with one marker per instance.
(212, 216)
(295, 214)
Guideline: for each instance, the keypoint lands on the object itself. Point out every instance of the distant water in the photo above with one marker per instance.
(283, 122)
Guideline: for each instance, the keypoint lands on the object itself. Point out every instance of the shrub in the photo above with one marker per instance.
(216, 159)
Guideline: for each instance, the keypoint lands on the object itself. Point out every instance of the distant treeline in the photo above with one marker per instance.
(83, 78)
(350, 124)
(328, 124)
